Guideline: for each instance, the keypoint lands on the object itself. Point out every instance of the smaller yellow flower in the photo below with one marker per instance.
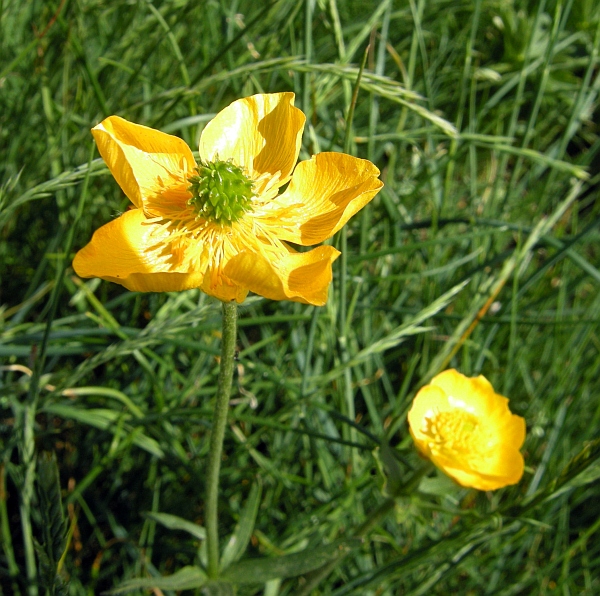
(466, 429)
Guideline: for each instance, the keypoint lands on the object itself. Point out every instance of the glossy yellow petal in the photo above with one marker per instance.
(262, 134)
(468, 431)
(513, 430)
(132, 252)
(504, 462)
(324, 193)
(504, 466)
(144, 161)
(431, 401)
(159, 282)
(481, 481)
(300, 277)
(474, 394)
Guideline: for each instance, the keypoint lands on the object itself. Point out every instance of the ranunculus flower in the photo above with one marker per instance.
(466, 429)
(223, 225)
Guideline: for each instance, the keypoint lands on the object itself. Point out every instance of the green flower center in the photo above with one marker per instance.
(221, 192)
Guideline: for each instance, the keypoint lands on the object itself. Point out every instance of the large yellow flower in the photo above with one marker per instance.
(467, 430)
(224, 225)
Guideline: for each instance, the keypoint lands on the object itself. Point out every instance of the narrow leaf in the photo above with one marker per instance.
(261, 570)
(240, 538)
(172, 522)
(105, 419)
(187, 578)
(394, 338)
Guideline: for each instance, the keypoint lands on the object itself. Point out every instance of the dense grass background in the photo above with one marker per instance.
(480, 253)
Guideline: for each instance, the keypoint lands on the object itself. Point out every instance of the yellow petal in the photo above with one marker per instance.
(145, 162)
(300, 277)
(503, 464)
(324, 193)
(428, 401)
(159, 282)
(474, 394)
(513, 430)
(488, 469)
(130, 251)
(469, 479)
(261, 133)
(502, 467)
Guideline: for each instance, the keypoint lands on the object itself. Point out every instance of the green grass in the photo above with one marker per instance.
(483, 119)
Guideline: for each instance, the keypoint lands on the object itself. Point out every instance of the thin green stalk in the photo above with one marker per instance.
(341, 46)
(541, 94)
(308, 27)
(309, 352)
(26, 415)
(343, 322)
(588, 92)
(491, 207)
(366, 214)
(7, 547)
(320, 574)
(466, 77)
(509, 375)
(376, 516)
(218, 432)
(178, 55)
(409, 77)
(259, 18)
(27, 452)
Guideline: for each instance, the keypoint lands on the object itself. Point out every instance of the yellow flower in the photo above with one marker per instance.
(466, 429)
(224, 225)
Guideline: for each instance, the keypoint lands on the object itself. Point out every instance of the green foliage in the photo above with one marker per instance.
(481, 253)
(186, 578)
(53, 525)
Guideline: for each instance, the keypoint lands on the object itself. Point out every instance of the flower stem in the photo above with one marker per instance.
(216, 437)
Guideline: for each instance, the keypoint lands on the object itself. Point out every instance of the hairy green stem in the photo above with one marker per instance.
(217, 435)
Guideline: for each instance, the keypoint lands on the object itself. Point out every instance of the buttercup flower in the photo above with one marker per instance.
(223, 225)
(467, 430)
